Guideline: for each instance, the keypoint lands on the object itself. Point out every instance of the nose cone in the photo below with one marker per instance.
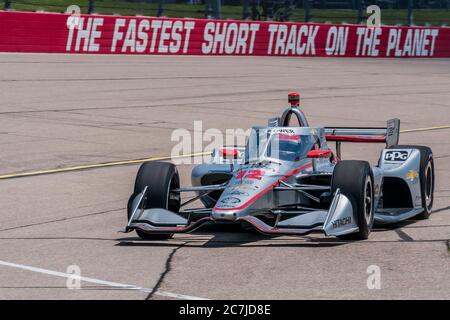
(228, 215)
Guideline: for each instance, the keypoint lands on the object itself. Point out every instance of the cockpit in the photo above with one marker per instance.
(280, 143)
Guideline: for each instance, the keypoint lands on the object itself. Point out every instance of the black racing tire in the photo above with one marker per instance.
(426, 176)
(160, 178)
(354, 179)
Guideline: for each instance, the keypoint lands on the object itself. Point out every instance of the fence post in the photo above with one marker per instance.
(410, 12)
(286, 11)
(217, 9)
(91, 6)
(255, 13)
(360, 11)
(209, 10)
(7, 5)
(160, 11)
(245, 10)
(306, 7)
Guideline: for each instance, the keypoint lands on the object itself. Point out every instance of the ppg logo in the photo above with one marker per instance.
(396, 155)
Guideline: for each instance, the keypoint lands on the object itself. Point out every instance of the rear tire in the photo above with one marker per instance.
(160, 178)
(354, 179)
(426, 175)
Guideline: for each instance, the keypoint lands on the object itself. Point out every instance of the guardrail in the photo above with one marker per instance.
(393, 12)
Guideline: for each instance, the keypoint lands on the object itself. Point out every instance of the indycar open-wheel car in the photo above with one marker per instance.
(287, 181)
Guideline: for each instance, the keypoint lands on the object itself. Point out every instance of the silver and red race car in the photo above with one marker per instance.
(287, 181)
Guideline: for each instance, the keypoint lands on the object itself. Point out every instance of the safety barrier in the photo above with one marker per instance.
(62, 33)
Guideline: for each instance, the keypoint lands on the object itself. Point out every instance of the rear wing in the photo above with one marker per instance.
(389, 134)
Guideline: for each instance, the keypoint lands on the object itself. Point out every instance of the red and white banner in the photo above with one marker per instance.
(62, 33)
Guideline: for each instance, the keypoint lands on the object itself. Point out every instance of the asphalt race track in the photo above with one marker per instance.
(59, 111)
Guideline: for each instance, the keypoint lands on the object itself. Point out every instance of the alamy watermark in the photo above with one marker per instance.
(374, 18)
(74, 280)
(204, 142)
(374, 279)
(73, 21)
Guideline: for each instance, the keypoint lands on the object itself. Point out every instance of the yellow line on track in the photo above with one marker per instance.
(95, 165)
(135, 161)
(425, 129)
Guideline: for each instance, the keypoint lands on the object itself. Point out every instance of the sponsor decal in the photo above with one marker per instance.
(274, 122)
(390, 128)
(248, 182)
(250, 174)
(236, 192)
(230, 200)
(257, 165)
(396, 156)
(244, 187)
(281, 131)
(412, 175)
(341, 222)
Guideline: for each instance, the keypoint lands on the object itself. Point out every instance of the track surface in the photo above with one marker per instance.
(58, 111)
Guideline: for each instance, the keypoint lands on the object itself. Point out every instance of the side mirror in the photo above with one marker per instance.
(229, 153)
(314, 154)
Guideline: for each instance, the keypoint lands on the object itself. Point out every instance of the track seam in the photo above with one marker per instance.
(168, 267)
(403, 235)
(61, 219)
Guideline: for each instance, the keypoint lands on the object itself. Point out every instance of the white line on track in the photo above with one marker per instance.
(98, 281)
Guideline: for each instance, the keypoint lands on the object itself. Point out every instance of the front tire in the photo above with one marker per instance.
(161, 178)
(354, 179)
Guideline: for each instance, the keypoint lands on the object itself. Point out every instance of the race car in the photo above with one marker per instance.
(287, 181)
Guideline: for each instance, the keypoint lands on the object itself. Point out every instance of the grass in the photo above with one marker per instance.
(435, 17)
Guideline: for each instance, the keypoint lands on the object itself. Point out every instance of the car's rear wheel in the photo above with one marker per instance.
(354, 179)
(426, 176)
(161, 178)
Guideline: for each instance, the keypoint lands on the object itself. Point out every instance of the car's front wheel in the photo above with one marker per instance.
(162, 179)
(354, 179)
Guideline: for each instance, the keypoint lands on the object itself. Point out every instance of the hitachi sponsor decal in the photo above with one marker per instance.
(341, 222)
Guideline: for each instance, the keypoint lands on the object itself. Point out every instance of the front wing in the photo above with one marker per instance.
(338, 220)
